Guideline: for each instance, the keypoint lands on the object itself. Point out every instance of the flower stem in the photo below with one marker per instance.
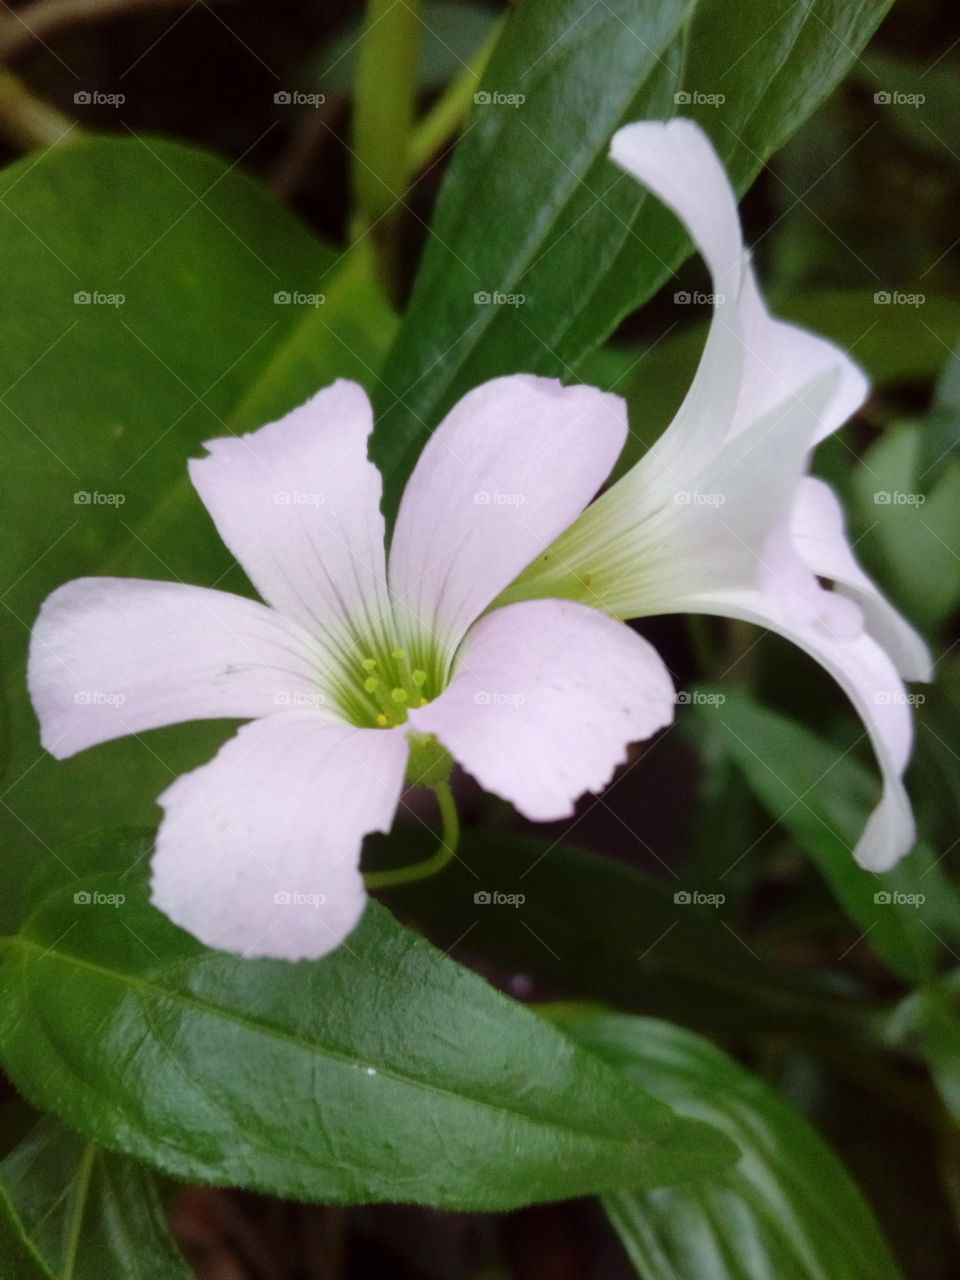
(28, 122)
(449, 841)
(383, 121)
(446, 116)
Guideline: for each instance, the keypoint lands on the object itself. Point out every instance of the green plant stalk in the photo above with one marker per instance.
(383, 122)
(27, 122)
(447, 849)
(445, 118)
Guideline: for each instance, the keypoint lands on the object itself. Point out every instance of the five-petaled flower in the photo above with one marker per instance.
(491, 626)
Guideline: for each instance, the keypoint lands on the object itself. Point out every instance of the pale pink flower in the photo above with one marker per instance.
(720, 515)
(529, 680)
(258, 851)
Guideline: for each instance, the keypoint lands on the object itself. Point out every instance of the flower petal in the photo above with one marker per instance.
(870, 680)
(298, 504)
(509, 467)
(817, 528)
(545, 699)
(751, 362)
(111, 656)
(259, 850)
(647, 545)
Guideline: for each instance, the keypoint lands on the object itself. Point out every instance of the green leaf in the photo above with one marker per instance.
(941, 433)
(599, 930)
(532, 208)
(823, 796)
(18, 1258)
(929, 1020)
(91, 1215)
(383, 1072)
(915, 526)
(787, 1210)
(115, 399)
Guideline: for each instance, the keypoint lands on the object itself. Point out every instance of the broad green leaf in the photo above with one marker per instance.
(112, 401)
(89, 1214)
(383, 1072)
(532, 210)
(598, 930)
(822, 796)
(787, 1210)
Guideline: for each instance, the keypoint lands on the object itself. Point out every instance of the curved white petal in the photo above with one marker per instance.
(544, 701)
(111, 656)
(298, 504)
(817, 529)
(751, 362)
(259, 850)
(509, 467)
(862, 669)
(644, 547)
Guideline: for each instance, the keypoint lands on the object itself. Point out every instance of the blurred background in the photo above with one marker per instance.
(855, 232)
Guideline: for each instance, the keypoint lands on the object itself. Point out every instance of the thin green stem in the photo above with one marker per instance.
(383, 122)
(449, 841)
(448, 113)
(701, 642)
(84, 1174)
(28, 122)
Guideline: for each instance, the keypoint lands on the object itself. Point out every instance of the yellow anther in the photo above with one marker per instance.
(382, 719)
(423, 702)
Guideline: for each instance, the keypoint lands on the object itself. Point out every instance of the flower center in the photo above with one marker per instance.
(378, 689)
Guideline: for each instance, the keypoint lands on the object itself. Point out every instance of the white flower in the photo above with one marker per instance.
(530, 682)
(354, 661)
(720, 517)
